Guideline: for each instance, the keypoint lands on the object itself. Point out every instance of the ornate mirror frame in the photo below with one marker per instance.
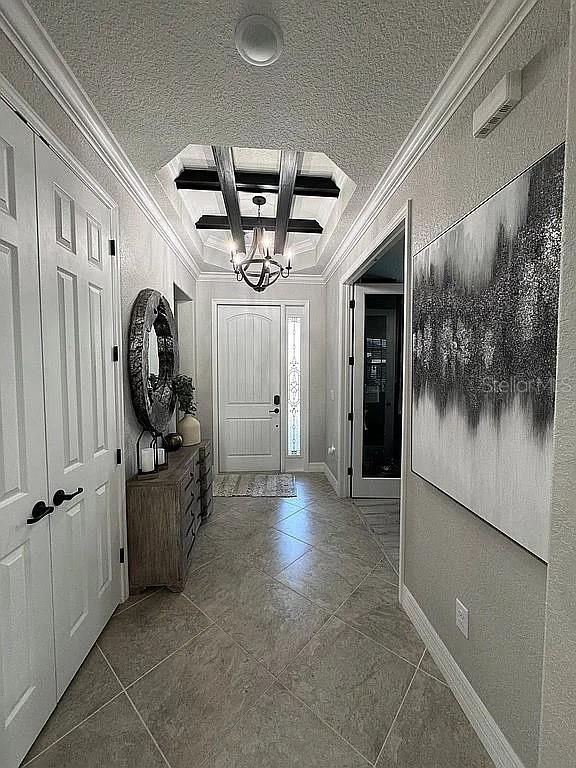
(154, 406)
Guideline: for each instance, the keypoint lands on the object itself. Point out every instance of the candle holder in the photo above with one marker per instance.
(146, 455)
(161, 453)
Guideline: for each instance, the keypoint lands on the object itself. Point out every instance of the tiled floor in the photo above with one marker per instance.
(287, 648)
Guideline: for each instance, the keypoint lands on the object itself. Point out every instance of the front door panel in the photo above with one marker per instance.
(248, 380)
(76, 287)
(27, 679)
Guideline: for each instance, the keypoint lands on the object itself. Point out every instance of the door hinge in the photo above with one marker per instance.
(118, 455)
(121, 554)
(115, 354)
(350, 417)
(350, 361)
(112, 247)
(350, 471)
(352, 303)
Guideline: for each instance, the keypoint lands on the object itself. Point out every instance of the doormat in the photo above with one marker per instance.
(246, 484)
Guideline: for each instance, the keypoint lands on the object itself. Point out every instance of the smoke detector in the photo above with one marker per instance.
(259, 40)
(498, 104)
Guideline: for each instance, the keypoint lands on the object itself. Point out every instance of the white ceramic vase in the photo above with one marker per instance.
(189, 429)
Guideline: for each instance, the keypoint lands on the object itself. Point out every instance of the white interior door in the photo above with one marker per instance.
(377, 391)
(27, 680)
(76, 292)
(249, 371)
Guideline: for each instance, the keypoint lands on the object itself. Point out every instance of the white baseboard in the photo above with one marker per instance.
(331, 479)
(494, 741)
(316, 466)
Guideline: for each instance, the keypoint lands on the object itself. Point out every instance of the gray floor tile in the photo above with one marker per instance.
(336, 511)
(265, 511)
(136, 640)
(114, 737)
(352, 683)
(307, 526)
(280, 732)
(374, 610)
(392, 553)
(204, 551)
(271, 621)
(334, 537)
(197, 694)
(92, 687)
(429, 665)
(232, 532)
(274, 551)
(268, 619)
(221, 584)
(432, 732)
(385, 570)
(323, 578)
(134, 599)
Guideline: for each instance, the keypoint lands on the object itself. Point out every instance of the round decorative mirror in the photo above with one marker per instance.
(152, 359)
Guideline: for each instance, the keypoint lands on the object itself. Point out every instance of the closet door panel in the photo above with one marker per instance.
(76, 288)
(27, 671)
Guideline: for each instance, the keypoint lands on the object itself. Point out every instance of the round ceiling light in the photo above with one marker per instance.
(259, 40)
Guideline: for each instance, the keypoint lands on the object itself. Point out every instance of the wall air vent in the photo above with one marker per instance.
(499, 102)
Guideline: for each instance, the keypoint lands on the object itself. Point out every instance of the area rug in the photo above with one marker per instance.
(247, 484)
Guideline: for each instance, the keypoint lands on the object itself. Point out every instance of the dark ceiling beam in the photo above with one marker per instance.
(307, 226)
(289, 161)
(224, 160)
(256, 182)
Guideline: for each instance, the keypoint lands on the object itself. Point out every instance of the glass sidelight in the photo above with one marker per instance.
(294, 388)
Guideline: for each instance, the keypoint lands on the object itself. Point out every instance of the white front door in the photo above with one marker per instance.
(77, 320)
(249, 378)
(27, 679)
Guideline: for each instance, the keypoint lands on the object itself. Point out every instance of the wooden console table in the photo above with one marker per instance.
(163, 516)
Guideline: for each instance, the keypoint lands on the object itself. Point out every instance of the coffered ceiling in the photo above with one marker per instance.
(351, 82)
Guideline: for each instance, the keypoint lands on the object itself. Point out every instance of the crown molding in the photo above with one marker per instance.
(23, 29)
(495, 28)
(230, 277)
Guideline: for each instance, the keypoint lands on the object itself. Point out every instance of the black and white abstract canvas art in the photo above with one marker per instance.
(485, 316)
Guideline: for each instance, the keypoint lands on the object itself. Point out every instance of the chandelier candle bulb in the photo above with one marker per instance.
(258, 268)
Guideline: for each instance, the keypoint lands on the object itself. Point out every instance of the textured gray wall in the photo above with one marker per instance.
(145, 259)
(283, 290)
(558, 742)
(449, 552)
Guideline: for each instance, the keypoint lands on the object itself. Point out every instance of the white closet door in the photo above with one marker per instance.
(27, 679)
(249, 343)
(76, 290)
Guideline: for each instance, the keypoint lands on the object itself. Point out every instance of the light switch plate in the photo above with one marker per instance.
(462, 618)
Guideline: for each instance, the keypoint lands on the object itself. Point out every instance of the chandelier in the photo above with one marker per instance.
(259, 268)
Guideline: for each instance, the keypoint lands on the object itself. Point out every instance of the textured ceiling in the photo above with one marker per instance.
(352, 80)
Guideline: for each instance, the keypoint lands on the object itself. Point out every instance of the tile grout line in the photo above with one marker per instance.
(132, 605)
(56, 741)
(134, 707)
(169, 656)
(333, 615)
(276, 679)
(399, 709)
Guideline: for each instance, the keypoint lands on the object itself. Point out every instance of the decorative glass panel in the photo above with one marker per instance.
(294, 367)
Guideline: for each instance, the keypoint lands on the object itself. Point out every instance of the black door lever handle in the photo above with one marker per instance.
(39, 510)
(61, 496)
(276, 410)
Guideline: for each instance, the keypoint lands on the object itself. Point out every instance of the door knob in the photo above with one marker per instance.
(61, 496)
(276, 410)
(39, 510)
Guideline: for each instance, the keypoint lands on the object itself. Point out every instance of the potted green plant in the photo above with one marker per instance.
(188, 426)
